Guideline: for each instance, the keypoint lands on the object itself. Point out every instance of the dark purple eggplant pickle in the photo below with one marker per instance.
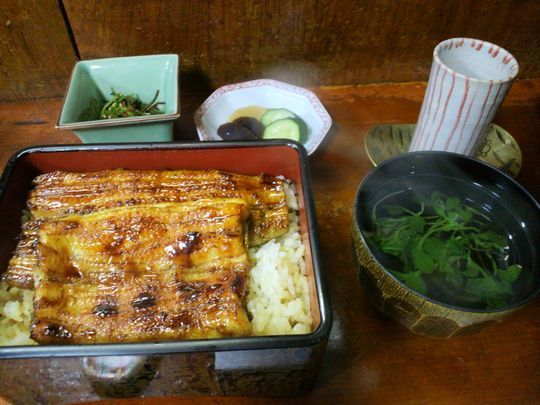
(232, 131)
(251, 123)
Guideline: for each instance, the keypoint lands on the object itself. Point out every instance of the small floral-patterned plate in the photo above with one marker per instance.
(266, 93)
(498, 148)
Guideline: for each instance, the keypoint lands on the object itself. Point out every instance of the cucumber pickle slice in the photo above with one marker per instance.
(276, 114)
(283, 129)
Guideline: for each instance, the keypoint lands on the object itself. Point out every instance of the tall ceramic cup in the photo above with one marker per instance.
(468, 81)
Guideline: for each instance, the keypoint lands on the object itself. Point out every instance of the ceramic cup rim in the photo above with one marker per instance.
(437, 59)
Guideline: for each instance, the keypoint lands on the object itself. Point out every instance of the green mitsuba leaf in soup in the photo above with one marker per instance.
(448, 247)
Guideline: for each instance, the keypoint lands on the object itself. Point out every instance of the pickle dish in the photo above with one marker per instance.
(253, 99)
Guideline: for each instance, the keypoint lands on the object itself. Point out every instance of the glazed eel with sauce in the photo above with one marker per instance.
(124, 256)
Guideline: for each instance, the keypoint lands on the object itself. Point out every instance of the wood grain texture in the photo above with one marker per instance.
(36, 55)
(370, 358)
(306, 42)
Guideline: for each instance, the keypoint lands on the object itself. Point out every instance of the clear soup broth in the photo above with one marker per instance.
(449, 247)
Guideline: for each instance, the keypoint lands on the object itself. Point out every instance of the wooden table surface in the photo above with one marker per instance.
(370, 358)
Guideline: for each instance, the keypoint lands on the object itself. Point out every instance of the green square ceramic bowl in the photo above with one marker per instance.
(140, 75)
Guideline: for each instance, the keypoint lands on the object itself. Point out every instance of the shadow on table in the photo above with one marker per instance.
(195, 87)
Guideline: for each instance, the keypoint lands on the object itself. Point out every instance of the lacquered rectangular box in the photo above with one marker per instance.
(253, 366)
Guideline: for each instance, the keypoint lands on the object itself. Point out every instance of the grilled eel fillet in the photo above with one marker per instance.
(142, 273)
(61, 193)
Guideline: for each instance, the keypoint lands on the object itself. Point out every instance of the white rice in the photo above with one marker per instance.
(278, 297)
(15, 315)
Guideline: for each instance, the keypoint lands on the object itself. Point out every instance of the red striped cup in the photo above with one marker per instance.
(468, 81)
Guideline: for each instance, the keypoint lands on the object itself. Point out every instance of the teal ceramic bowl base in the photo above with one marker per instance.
(151, 132)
